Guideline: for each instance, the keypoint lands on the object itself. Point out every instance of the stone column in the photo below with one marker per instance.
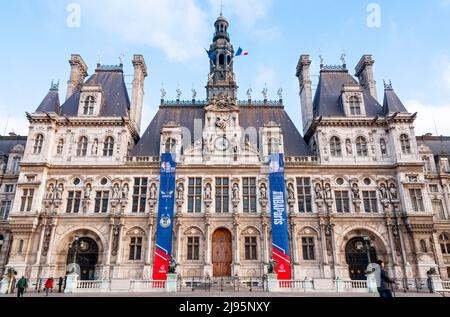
(447, 201)
(110, 242)
(391, 243)
(236, 243)
(323, 241)
(41, 243)
(149, 250)
(207, 243)
(179, 249)
(119, 244)
(294, 242)
(439, 256)
(266, 240)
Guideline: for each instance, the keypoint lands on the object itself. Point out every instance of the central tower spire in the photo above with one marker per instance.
(221, 79)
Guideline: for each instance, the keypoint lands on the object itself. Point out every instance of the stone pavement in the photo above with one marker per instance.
(223, 294)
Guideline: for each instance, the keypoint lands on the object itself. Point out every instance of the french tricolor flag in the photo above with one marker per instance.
(241, 52)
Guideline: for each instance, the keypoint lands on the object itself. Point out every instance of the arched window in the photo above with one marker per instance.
(405, 143)
(37, 149)
(60, 147)
(89, 105)
(335, 147)
(108, 146)
(423, 246)
(361, 147)
(82, 146)
(444, 241)
(383, 147)
(273, 146)
(170, 146)
(221, 59)
(355, 106)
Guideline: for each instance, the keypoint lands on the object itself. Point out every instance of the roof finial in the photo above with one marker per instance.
(221, 7)
(343, 56)
(322, 60)
(387, 86)
(54, 86)
(122, 58)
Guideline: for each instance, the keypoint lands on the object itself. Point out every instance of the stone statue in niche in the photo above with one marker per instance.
(319, 191)
(50, 192)
(59, 192)
(116, 190)
(208, 191)
(355, 192)
(348, 147)
(153, 192)
(87, 191)
(328, 192)
(180, 191)
(263, 191)
(235, 191)
(291, 192)
(384, 192)
(125, 191)
(115, 245)
(95, 147)
(393, 192)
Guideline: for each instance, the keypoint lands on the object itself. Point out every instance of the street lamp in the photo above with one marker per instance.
(77, 238)
(368, 245)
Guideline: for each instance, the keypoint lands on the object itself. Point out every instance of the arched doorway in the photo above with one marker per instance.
(84, 252)
(222, 254)
(357, 259)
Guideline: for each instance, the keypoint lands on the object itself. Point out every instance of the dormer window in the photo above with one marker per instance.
(108, 147)
(405, 144)
(89, 106)
(335, 147)
(355, 106)
(37, 149)
(82, 146)
(170, 146)
(273, 146)
(361, 147)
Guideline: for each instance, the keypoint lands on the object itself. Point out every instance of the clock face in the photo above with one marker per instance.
(222, 144)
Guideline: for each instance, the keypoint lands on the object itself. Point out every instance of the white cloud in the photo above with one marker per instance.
(178, 27)
(248, 11)
(431, 118)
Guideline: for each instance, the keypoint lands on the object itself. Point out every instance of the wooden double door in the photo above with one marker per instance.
(222, 253)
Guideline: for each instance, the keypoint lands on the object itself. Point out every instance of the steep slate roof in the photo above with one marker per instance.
(116, 102)
(249, 116)
(392, 103)
(327, 101)
(439, 145)
(50, 103)
(7, 143)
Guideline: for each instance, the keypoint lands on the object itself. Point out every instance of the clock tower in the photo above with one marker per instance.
(221, 79)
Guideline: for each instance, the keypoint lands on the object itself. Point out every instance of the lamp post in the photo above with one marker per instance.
(77, 238)
(368, 244)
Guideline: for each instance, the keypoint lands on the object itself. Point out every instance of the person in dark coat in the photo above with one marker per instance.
(384, 288)
(22, 284)
(60, 284)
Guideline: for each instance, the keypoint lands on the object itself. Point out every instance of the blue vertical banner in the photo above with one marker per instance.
(280, 234)
(166, 205)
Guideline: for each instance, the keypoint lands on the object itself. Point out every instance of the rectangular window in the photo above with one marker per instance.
(417, 200)
(21, 242)
(434, 188)
(9, 188)
(251, 247)
(304, 195)
(140, 195)
(193, 249)
(342, 201)
(438, 209)
(135, 249)
(249, 194)
(5, 208)
(15, 165)
(73, 202)
(195, 195)
(222, 195)
(101, 202)
(370, 201)
(308, 249)
(27, 200)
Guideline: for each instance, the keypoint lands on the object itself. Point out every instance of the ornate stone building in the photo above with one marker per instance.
(12, 148)
(358, 183)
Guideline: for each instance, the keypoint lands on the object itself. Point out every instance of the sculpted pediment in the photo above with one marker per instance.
(222, 103)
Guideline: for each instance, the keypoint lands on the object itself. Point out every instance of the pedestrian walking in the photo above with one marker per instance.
(22, 284)
(384, 288)
(48, 285)
(60, 284)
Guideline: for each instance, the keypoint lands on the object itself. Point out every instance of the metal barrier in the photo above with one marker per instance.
(224, 284)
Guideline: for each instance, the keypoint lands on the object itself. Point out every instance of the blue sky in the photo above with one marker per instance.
(411, 47)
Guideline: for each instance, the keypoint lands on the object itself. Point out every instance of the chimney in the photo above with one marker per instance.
(304, 77)
(364, 72)
(137, 95)
(78, 73)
